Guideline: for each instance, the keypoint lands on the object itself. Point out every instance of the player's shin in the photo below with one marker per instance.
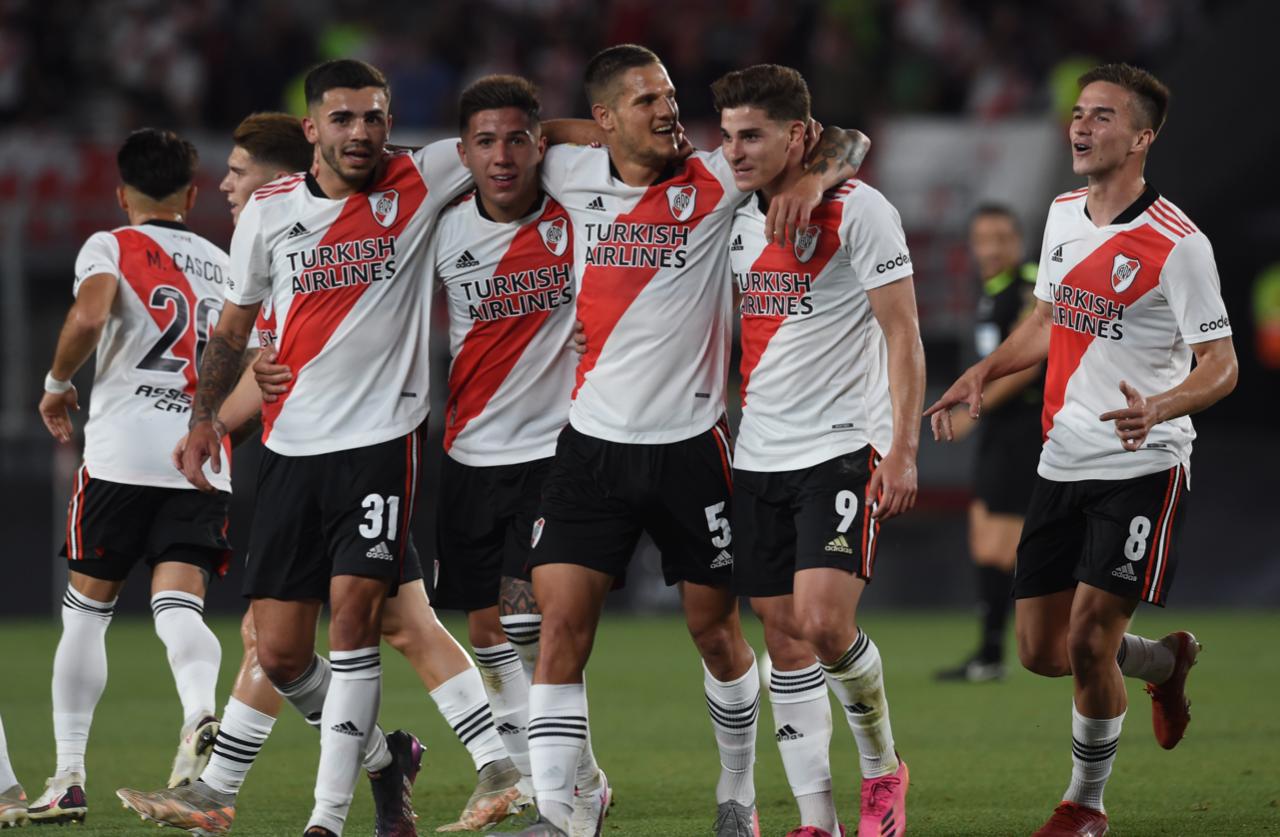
(1145, 659)
(462, 701)
(857, 680)
(1093, 752)
(802, 718)
(194, 652)
(240, 738)
(347, 721)
(734, 707)
(307, 693)
(79, 675)
(523, 631)
(507, 686)
(557, 731)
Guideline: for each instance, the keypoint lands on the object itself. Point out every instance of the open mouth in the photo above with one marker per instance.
(1081, 148)
(357, 155)
(665, 130)
(503, 180)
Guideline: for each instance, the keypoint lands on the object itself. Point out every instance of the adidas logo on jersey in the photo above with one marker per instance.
(737, 244)
(380, 552)
(297, 230)
(466, 260)
(597, 204)
(788, 733)
(1057, 254)
(724, 559)
(839, 544)
(347, 728)
(1126, 572)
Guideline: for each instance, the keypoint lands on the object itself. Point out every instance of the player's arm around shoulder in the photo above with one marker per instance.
(836, 156)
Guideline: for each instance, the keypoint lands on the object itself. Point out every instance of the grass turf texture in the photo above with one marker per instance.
(989, 759)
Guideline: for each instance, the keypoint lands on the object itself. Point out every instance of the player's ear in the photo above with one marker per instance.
(542, 145)
(122, 198)
(603, 116)
(462, 153)
(190, 199)
(310, 130)
(796, 134)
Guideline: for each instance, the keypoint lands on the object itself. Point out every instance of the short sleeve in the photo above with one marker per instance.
(1191, 286)
(872, 236)
(556, 164)
(100, 254)
(1043, 292)
(442, 169)
(249, 278)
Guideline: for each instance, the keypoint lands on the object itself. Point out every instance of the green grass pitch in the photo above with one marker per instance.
(985, 760)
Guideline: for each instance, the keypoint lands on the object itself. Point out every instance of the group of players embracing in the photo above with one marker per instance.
(591, 270)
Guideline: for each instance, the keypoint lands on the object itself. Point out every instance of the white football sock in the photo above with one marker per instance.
(523, 631)
(7, 777)
(857, 680)
(1145, 659)
(557, 730)
(1093, 752)
(802, 721)
(735, 708)
(508, 691)
(307, 694)
(587, 776)
(244, 730)
(79, 675)
(461, 700)
(194, 652)
(347, 721)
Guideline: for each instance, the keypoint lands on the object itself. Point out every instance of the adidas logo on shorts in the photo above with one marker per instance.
(1125, 571)
(466, 260)
(347, 728)
(839, 544)
(380, 552)
(724, 559)
(786, 732)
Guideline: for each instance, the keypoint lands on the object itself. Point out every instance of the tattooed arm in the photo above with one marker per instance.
(836, 158)
(220, 370)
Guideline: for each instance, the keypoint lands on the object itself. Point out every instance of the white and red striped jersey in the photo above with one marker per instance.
(815, 374)
(167, 301)
(346, 284)
(654, 295)
(510, 290)
(1128, 300)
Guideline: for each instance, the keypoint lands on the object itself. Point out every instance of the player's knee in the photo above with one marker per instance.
(565, 648)
(1088, 648)
(248, 634)
(826, 633)
(283, 666)
(1044, 659)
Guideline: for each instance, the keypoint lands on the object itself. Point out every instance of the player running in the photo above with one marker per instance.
(339, 254)
(1128, 293)
(832, 384)
(146, 298)
(268, 146)
(1009, 439)
(647, 446)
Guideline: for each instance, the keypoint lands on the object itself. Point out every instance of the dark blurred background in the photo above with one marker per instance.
(965, 102)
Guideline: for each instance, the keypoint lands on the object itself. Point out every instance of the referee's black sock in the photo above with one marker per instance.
(995, 589)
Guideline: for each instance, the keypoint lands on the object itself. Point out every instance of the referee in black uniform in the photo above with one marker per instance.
(1009, 438)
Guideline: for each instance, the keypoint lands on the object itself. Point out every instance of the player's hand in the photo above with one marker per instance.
(55, 412)
(966, 390)
(789, 210)
(578, 342)
(1135, 421)
(176, 456)
(892, 487)
(684, 148)
(204, 444)
(812, 134)
(273, 378)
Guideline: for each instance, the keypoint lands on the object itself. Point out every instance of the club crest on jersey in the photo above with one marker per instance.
(384, 206)
(681, 199)
(555, 234)
(537, 531)
(1124, 269)
(807, 242)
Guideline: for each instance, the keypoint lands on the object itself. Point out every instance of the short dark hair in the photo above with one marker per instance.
(607, 64)
(1150, 93)
(779, 91)
(498, 91)
(275, 139)
(999, 210)
(157, 163)
(342, 72)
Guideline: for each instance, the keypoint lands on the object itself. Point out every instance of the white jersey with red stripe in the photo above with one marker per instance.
(815, 374)
(170, 286)
(345, 283)
(654, 295)
(510, 290)
(1129, 299)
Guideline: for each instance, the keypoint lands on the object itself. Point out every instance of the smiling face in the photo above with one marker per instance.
(1107, 131)
(350, 128)
(758, 148)
(641, 116)
(502, 151)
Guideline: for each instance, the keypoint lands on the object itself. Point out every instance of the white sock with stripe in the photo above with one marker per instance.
(347, 722)
(557, 730)
(802, 718)
(734, 707)
(508, 690)
(1145, 659)
(857, 679)
(194, 652)
(79, 675)
(523, 631)
(307, 695)
(1093, 752)
(7, 777)
(464, 705)
(243, 732)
